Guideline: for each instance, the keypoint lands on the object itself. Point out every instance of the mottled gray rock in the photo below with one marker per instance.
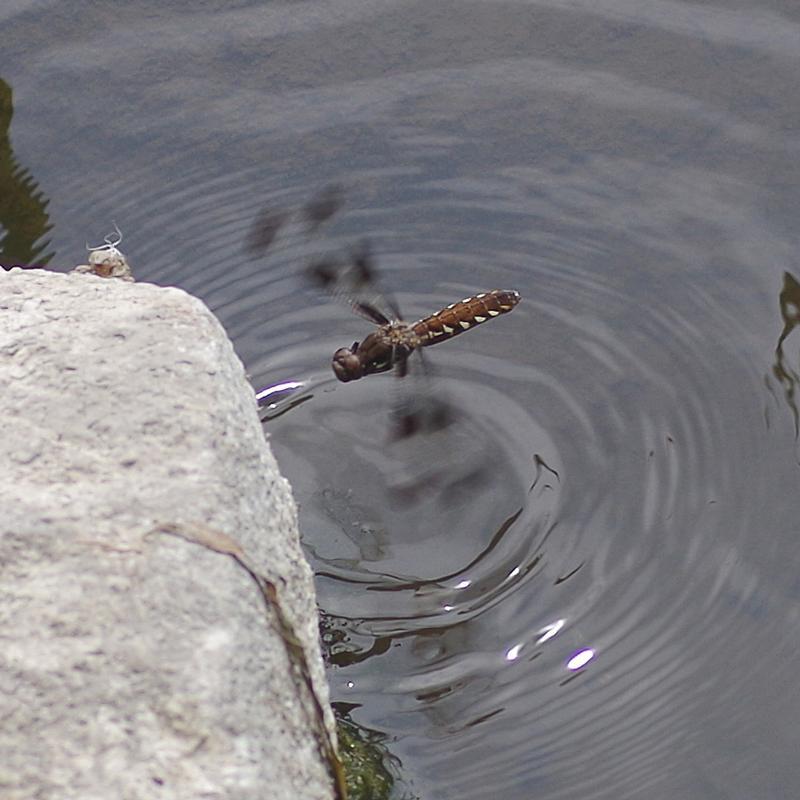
(133, 663)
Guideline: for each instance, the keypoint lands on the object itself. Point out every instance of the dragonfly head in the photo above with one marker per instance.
(347, 366)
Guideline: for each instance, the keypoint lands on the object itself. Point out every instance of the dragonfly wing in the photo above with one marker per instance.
(264, 228)
(419, 406)
(322, 207)
(351, 278)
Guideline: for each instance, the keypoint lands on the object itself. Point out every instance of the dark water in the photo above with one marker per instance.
(631, 167)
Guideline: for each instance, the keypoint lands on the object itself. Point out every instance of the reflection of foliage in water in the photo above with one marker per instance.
(23, 209)
(371, 771)
(789, 301)
(364, 758)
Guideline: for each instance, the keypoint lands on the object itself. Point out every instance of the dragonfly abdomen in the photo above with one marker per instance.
(459, 317)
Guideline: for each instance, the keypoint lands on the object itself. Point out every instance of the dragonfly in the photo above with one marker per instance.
(352, 277)
(390, 345)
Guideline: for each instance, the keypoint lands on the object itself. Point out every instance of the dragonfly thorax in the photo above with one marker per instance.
(379, 352)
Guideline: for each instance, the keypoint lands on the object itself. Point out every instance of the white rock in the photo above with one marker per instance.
(137, 664)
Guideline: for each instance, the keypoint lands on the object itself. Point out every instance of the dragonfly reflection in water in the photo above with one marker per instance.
(394, 344)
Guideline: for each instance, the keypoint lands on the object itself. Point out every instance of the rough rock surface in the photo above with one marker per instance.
(136, 664)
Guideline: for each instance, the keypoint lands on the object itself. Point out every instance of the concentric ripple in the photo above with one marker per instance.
(576, 602)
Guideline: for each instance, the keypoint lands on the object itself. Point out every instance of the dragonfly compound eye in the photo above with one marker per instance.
(347, 365)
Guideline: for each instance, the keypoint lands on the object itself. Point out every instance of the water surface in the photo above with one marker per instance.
(632, 169)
